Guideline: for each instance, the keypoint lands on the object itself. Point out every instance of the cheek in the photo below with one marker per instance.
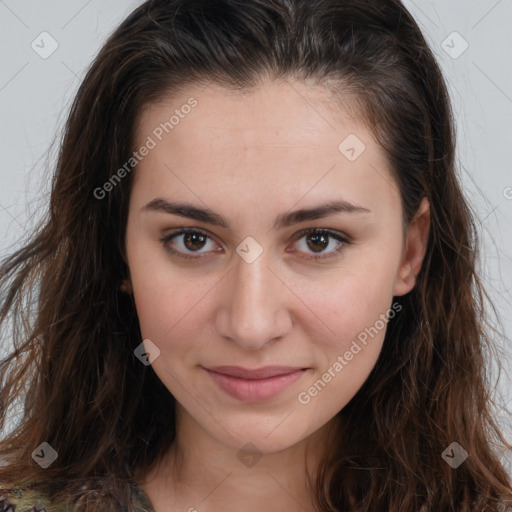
(357, 310)
(355, 298)
(167, 306)
(172, 314)
(163, 293)
(172, 309)
(347, 359)
(359, 321)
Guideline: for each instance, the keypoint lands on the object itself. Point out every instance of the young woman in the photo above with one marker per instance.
(255, 286)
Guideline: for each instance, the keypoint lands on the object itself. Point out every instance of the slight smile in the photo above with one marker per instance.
(254, 385)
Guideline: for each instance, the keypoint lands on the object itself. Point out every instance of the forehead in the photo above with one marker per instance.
(278, 134)
(288, 110)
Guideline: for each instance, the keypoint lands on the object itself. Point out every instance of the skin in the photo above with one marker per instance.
(251, 157)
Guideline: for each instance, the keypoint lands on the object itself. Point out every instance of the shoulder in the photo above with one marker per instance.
(18, 499)
(141, 501)
(26, 499)
(9, 498)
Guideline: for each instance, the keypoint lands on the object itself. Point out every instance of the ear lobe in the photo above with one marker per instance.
(415, 249)
(126, 286)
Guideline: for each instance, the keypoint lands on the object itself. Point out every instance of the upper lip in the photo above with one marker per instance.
(257, 373)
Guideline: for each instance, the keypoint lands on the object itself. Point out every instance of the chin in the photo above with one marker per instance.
(265, 435)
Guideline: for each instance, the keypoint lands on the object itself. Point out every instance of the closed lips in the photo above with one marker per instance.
(259, 373)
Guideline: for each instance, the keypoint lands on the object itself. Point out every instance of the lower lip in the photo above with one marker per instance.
(254, 390)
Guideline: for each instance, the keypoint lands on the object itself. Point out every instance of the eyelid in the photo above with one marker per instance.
(181, 231)
(331, 232)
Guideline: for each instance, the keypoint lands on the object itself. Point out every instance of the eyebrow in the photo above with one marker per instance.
(284, 220)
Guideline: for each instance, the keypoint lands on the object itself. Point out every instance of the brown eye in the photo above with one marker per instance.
(318, 240)
(186, 242)
(194, 241)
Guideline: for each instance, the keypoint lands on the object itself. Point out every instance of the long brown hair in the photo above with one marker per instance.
(74, 332)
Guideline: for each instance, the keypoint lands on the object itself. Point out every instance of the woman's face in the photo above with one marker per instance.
(246, 288)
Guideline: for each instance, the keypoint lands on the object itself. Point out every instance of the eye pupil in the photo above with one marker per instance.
(318, 236)
(194, 238)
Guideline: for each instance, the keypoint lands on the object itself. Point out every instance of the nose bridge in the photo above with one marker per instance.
(254, 310)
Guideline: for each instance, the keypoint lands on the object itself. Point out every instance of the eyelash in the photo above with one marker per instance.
(317, 231)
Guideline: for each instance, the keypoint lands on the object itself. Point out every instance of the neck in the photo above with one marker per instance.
(201, 474)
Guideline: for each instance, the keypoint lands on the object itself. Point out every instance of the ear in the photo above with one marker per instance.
(126, 286)
(415, 249)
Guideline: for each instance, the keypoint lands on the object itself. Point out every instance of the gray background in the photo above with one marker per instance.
(35, 93)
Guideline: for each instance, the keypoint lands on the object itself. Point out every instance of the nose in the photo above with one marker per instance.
(253, 310)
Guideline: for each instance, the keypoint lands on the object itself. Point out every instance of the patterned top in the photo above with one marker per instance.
(18, 499)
